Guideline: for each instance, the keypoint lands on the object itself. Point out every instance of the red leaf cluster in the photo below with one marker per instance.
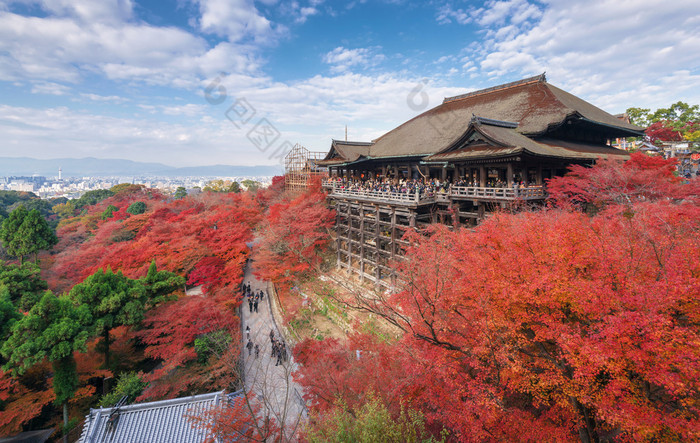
(642, 178)
(294, 238)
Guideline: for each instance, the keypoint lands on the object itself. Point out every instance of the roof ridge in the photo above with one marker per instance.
(494, 122)
(350, 142)
(197, 398)
(536, 79)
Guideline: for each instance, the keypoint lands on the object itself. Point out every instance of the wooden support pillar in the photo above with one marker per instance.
(412, 220)
(481, 210)
(338, 244)
(349, 243)
(377, 258)
(482, 176)
(444, 174)
(539, 174)
(362, 242)
(456, 222)
(509, 174)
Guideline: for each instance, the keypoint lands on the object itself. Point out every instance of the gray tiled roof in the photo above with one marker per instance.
(155, 422)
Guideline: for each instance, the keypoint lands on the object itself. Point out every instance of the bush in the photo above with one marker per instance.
(212, 343)
(129, 384)
(136, 208)
(107, 213)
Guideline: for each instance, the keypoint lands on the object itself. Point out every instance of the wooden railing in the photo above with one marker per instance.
(467, 192)
(399, 197)
(522, 193)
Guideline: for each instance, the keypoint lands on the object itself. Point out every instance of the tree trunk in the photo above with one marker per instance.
(106, 339)
(65, 422)
(587, 433)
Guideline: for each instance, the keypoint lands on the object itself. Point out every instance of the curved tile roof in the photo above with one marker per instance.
(159, 421)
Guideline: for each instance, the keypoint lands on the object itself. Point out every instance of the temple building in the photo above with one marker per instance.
(487, 149)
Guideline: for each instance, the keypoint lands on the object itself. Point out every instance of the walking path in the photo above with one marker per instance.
(272, 385)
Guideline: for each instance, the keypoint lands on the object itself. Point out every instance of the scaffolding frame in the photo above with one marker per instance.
(300, 166)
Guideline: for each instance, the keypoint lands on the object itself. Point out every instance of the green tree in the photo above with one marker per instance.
(639, 116)
(222, 186)
(64, 210)
(158, 284)
(678, 112)
(250, 185)
(108, 212)
(53, 329)
(8, 312)
(136, 208)
(180, 193)
(43, 206)
(234, 187)
(679, 120)
(26, 232)
(92, 197)
(23, 283)
(130, 384)
(113, 300)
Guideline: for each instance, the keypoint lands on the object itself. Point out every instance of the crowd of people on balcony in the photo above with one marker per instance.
(403, 186)
(420, 187)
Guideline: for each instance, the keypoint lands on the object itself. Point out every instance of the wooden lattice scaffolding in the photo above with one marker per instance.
(300, 166)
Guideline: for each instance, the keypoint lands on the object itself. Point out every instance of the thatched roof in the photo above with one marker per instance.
(345, 152)
(487, 138)
(536, 106)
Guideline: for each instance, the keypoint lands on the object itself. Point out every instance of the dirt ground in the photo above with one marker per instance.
(323, 313)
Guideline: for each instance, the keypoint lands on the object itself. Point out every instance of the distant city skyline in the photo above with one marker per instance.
(203, 82)
(90, 166)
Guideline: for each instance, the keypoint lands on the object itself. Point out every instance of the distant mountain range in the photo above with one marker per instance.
(101, 167)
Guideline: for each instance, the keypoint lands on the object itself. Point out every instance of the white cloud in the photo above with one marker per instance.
(62, 49)
(105, 98)
(305, 13)
(446, 14)
(50, 88)
(86, 11)
(343, 59)
(310, 112)
(236, 20)
(52, 132)
(498, 12)
(615, 54)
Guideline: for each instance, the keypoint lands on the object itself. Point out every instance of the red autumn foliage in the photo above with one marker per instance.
(663, 131)
(22, 403)
(169, 333)
(550, 325)
(641, 178)
(330, 370)
(294, 238)
(555, 323)
(239, 419)
(177, 234)
(206, 273)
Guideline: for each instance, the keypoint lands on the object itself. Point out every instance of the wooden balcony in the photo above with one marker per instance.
(508, 194)
(338, 190)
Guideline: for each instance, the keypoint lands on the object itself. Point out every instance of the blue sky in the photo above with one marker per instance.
(129, 79)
